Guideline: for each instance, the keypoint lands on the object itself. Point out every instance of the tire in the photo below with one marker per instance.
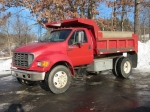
(124, 67)
(114, 70)
(25, 82)
(58, 79)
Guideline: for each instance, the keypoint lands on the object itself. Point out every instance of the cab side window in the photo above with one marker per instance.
(73, 38)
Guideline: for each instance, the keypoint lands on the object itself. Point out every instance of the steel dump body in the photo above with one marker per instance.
(103, 42)
(114, 42)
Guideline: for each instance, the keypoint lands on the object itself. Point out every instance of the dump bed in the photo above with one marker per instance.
(114, 42)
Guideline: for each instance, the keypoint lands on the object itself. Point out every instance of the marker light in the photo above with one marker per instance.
(43, 64)
(56, 24)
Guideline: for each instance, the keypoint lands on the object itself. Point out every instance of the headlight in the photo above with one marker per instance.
(30, 59)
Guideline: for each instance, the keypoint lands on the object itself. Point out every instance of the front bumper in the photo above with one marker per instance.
(28, 75)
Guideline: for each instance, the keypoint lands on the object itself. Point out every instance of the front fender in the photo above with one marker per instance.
(52, 58)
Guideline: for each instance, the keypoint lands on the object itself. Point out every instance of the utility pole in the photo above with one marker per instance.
(137, 17)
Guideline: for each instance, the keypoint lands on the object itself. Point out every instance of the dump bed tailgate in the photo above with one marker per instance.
(114, 42)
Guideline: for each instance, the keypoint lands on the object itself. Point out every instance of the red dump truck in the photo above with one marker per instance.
(72, 44)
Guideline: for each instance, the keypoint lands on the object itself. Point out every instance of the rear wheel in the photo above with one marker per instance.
(59, 79)
(114, 70)
(25, 82)
(124, 67)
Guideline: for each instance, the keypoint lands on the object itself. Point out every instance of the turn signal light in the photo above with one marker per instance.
(43, 64)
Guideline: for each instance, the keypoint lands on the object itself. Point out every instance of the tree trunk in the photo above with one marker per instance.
(26, 39)
(8, 39)
(90, 9)
(137, 17)
(122, 17)
(9, 45)
(114, 16)
(82, 10)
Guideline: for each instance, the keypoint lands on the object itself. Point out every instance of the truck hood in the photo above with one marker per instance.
(39, 48)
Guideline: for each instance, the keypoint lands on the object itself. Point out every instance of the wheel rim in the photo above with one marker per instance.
(127, 67)
(60, 79)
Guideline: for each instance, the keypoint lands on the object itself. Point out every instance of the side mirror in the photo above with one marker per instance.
(80, 37)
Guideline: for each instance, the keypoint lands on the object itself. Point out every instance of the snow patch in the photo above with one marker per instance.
(144, 56)
(22, 93)
(28, 108)
(28, 93)
(141, 86)
(4, 106)
(5, 65)
(7, 78)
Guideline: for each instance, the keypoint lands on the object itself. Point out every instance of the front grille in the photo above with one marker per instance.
(22, 59)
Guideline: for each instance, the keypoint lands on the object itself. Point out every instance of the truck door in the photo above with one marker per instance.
(80, 54)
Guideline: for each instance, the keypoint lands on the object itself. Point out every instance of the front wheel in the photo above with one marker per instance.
(124, 67)
(59, 79)
(25, 82)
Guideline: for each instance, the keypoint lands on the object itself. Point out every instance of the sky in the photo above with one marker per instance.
(105, 12)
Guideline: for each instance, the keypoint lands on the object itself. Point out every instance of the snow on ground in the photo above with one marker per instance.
(144, 56)
(143, 59)
(5, 65)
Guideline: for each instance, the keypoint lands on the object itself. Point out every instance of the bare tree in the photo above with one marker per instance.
(21, 31)
(16, 31)
(6, 29)
(113, 4)
(114, 22)
(120, 9)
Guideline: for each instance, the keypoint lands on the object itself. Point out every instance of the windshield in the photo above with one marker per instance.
(55, 36)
